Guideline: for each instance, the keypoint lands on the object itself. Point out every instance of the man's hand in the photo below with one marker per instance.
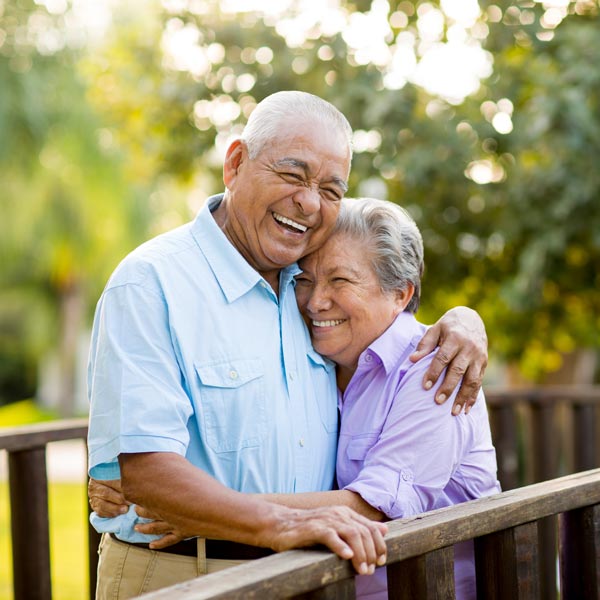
(342, 530)
(106, 498)
(460, 335)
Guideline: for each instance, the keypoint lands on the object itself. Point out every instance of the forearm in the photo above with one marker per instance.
(332, 498)
(196, 503)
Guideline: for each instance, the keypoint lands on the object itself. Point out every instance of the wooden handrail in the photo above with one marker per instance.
(302, 571)
(38, 435)
(26, 448)
(28, 485)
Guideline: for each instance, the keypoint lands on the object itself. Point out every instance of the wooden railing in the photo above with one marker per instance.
(420, 554)
(539, 435)
(26, 447)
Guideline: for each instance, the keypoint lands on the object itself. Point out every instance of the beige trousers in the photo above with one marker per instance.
(125, 571)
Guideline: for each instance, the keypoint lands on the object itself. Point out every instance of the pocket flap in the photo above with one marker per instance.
(231, 373)
(358, 447)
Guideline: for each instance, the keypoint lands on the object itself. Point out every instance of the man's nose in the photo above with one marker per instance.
(308, 200)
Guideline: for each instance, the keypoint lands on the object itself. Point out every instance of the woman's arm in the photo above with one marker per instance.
(333, 498)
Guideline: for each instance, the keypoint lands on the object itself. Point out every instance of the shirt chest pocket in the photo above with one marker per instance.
(233, 404)
(359, 446)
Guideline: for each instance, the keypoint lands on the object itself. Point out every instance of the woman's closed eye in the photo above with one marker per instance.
(303, 280)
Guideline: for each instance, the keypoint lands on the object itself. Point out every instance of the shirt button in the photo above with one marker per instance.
(368, 358)
(291, 377)
(233, 374)
(263, 284)
(301, 442)
(405, 477)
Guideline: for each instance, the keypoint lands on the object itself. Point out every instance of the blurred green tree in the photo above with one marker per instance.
(502, 184)
(112, 142)
(67, 212)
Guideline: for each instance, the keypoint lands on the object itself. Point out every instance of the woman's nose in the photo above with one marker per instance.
(319, 300)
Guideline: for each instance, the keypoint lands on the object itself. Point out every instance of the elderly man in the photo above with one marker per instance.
(203, 381)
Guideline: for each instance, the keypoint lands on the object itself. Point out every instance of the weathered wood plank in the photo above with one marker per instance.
(584, 436)
(301, 571)
(40, 434)
(341, 590)
(507, 564)
(543, 394)
(503, 421)
(29, 524)
(580, 553)
(426, 577)
(545, 467)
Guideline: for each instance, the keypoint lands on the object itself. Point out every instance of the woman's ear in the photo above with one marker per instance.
(236, 154)
(403, 297)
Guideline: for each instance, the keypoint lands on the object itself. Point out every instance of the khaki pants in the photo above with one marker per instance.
(125, 571)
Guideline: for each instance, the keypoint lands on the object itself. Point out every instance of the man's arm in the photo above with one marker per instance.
(460, 335)
(198, 505)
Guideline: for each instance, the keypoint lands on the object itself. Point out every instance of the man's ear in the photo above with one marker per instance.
(235, 155)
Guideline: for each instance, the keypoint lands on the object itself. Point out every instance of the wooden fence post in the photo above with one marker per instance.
(580, 553)
(29, 524)
(507, 564)
(425, 577)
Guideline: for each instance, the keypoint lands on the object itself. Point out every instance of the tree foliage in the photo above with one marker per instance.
(503, 185)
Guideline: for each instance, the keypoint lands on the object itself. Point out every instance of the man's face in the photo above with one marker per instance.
(283, 203)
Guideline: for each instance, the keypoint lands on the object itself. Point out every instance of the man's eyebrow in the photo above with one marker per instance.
(302, 165)
(292, 162)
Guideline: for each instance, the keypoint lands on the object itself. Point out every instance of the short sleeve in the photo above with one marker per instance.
(407, 468)
(138, 402)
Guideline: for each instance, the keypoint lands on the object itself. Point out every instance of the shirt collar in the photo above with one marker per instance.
(234, 275)
(396, 342)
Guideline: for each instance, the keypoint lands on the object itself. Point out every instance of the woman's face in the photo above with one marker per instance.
(342, 302)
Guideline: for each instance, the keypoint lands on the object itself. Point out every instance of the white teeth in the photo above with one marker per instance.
(327, 323)
(289, 222)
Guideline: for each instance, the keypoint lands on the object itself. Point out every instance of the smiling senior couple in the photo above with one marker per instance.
(212, 409)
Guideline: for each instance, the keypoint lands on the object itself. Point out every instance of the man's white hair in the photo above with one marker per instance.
(272, 117)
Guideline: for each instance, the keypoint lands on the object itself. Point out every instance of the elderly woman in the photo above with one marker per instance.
(399, 453)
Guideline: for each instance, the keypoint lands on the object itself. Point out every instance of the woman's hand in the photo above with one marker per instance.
(460, 335)
(106, 498)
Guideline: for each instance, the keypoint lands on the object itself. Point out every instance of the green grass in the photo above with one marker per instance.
(67, 505)
(68, 541)
(24, 412)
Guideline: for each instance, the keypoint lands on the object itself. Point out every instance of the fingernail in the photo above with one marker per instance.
(123, 510)
(363, 569)
(456, 409)
(428, 384)
(381, 560)
(441, 398)
(371, 569)
(347, 553)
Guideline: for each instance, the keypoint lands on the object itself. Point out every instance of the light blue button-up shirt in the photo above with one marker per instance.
(193, 353)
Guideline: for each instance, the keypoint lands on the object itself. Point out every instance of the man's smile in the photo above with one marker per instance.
(292, 225)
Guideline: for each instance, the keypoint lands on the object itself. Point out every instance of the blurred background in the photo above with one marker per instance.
(481, 118)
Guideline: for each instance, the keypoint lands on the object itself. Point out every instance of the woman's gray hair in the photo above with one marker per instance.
(393, 239)
(271, 118)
